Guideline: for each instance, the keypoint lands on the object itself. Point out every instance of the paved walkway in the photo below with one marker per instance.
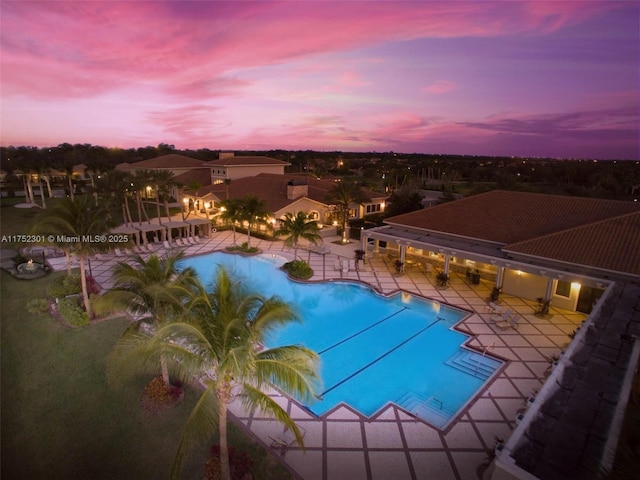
(394, 444)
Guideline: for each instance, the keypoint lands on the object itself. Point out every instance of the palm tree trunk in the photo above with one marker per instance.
(30, 190)
(93, 187)
(249, 235)
(48, 182)
(158, 206)
(165, 371)
(44, 205)
(83, 283)
(70, 186)
(128, 211)
(223, 399)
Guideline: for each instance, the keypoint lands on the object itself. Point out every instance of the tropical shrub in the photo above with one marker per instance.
(38, 305)
(70, 285)
(244, 248)
(240, 464)
(92, 286)
(72, 313)
(298, 269)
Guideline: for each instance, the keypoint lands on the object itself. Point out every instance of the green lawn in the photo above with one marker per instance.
(60, 419)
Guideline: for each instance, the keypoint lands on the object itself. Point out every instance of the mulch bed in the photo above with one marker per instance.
(157, 397)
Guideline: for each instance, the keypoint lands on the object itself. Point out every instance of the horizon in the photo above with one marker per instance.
(543, 80)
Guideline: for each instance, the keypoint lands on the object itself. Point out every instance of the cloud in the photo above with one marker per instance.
(107, 45)
(439, 87)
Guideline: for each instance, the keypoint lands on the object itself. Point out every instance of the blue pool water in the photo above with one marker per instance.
(374, 349)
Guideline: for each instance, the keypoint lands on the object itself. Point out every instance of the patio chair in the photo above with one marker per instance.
(502, 315)
(509, 322)
(284, 442)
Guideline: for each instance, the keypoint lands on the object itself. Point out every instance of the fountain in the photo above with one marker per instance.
(30, 269)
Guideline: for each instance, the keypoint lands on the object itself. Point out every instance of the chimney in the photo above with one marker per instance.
(296, 191)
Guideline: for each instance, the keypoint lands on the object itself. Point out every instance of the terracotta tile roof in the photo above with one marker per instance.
(272, 188)
(201, 175)
(612, 244)
(508, 217)
(245, 160)
(169, 161)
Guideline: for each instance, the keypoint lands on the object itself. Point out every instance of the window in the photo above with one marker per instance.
(373, 208)
(563, 289)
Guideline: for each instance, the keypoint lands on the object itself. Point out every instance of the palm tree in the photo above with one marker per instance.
(81, 221)
(217, 345)
(298, 226)
(253, 210)
(154, 288)
(344, 194)
(233, 324)
(231, 209)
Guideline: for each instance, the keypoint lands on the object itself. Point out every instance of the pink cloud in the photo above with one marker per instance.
(111, 44)
(439, 87)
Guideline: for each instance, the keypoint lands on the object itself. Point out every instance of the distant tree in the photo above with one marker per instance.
(345, 194)
(80, 219)
(298, 226)
(404, 200)
(231, 213)
(253, 211)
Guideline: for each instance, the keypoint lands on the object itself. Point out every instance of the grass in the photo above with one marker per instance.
(60, 418)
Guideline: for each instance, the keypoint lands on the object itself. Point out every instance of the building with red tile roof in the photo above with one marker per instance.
(531, 245)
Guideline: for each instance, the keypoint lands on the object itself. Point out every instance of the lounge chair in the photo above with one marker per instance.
(285, 441)
(165, 244)
(502, 315)
(336, 265)
(352, 265)
(192, 241)
(493, 308)
(118, 252)
(509, 322)
(345, 266)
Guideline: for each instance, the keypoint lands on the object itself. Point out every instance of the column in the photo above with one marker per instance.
(403, 253)
(447, 258)
(499, 277)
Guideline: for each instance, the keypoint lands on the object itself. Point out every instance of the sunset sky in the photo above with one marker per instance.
(517, 78)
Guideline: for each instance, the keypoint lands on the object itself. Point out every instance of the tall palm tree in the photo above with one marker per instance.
(154, 288)
(217, 345)
(81, 221)
(345, 194)
(233, 324)
(163, 181)
(231, 213)
(254, 210)
(298, 226)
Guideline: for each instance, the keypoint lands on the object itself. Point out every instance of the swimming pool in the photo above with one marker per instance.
(374, 349)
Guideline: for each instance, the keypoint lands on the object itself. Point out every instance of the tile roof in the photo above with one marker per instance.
(169, 161)
(272, 188)
(246, 160)
(201, 175)
(612, 244)
(508, 217)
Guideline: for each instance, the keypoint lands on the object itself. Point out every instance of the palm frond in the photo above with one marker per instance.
(252, 397)
(202, 421)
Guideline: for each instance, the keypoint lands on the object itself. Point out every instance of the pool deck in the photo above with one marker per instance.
(394, 444)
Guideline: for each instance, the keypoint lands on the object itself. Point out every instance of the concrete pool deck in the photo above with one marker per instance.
(393, 444)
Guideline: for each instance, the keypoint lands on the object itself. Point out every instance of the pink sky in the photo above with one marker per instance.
(519, 78)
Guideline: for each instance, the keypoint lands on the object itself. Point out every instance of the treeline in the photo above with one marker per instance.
(383, 171)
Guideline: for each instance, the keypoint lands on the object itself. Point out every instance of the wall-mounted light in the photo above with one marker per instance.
(519, 272)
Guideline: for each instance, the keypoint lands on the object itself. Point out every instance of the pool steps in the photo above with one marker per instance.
(431, 410)
(474, 364)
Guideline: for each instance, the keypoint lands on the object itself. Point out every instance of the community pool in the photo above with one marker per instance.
(374, 349)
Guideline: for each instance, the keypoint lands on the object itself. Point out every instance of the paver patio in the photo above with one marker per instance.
(394, 444)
